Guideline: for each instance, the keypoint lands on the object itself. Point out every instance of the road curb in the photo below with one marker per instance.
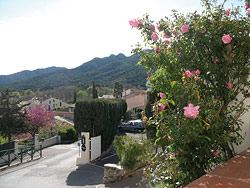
(16, 167)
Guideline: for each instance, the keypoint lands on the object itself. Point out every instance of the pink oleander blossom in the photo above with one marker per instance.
(185, 28)
(197, 72)
(232, 54)
(198, 15)
(188, 74)
(135, 23)
(202, 31)
(216, 61)
(248, 11)
(166, 41)
(230, 85)
(161, 107)
(159, 27)
(247, 5)
(166, 36)
(153, 28)
(191, 111)
(216, 153)
(228, 11)
(162, 95)
(156, 49)
(226, 39)
(154, 36)
(174, 32)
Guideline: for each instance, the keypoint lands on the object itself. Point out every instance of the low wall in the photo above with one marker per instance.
(51, 141)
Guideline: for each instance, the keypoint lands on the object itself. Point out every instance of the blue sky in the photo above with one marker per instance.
(66, 33)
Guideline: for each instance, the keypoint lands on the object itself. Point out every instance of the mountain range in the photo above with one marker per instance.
(103, 71)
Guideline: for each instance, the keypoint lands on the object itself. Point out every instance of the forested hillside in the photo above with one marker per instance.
(103, 71)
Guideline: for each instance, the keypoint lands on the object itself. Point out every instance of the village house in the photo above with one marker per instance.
(53, 103)
(135, 98)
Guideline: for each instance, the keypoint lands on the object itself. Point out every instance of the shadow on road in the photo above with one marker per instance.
(86, 175)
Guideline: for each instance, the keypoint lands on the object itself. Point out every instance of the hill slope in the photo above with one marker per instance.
(4, 79)
(103, 71)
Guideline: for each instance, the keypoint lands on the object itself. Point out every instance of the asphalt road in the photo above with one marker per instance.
(57, 169)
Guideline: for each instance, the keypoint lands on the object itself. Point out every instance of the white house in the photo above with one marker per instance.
(53, 103)
(31, 104)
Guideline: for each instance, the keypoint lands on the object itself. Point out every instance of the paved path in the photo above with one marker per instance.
(56, 170)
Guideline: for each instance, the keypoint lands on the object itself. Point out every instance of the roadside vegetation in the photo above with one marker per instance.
(199, 71)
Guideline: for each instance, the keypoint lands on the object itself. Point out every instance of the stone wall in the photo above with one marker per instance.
(112, 173)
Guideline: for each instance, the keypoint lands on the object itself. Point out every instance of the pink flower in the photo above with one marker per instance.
(166, 41)
(247, 5)
(166, 36)
(198, 15)
(135, 23)
(188, 74)
(230, 85)
(216, 61)
(185, 28)
(179, 53)
(231, 54)
(156, 49)
(153, 28)
(190, 111)
(228, 11)
(226, 39)
(202, 31)
(172, 156)
(197, 72)
(216, 153)
(212, 20)
(154, 36)
(161, 107)
(162, 95)
(159, 27)
(248, 11)
(217, 97)
(174, 32)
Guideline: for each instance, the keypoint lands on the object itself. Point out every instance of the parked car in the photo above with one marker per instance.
(133, 125)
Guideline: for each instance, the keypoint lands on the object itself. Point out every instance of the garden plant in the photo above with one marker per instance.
(199, 65)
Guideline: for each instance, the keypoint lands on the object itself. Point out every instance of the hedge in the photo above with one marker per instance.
(99, 117)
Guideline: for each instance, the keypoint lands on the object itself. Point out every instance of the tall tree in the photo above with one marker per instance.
(40, 118)
(94, 92)
(118, 89)
(12, 116)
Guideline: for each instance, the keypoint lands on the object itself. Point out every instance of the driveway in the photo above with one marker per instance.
(57, 169)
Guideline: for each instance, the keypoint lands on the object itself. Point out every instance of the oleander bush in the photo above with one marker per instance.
(200, 68)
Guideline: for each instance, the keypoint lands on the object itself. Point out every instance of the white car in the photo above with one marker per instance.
(133, 125)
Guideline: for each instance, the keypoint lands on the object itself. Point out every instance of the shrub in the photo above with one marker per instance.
(131, 152)
(68, 134)
(99, 117)
(200, 65)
